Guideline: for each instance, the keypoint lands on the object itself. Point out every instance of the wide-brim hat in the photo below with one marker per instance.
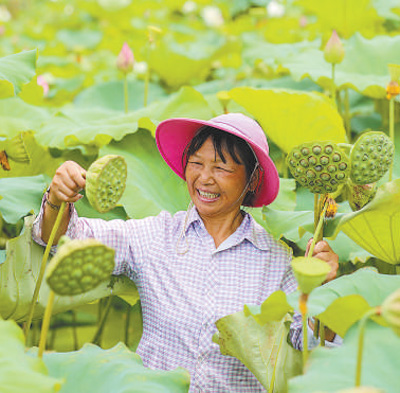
(174, 135)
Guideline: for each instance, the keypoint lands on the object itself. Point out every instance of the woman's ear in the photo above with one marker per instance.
(254, 181)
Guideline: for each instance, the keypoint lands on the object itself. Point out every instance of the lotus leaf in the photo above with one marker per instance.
(110, 95)
(23, 196)
(117, 369)
(15, 71)
(363, 69)
(259, 346)
(345, 16)
(342, 302)
(379, 367)
(19, 372)
(18, 276)
(150, 186)
(79, 39)
(376, 227)
(292, 117)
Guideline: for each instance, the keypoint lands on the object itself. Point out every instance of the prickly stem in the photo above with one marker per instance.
(99, 332)
(126, 93)
(347, 114)
(43, 269)
(361, 333)
(322, 334)
(46, 324)
(333, 91)
(391, 132)
(318, 233)
(303, 310)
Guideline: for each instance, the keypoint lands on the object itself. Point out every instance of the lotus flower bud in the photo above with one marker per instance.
(125, 59)
(310, 272)
(334, 51)
(391, 311)
(41, 81)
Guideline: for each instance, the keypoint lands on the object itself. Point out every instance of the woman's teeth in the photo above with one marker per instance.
(208, 195)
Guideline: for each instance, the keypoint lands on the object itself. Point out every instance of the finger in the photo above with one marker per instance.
(78, 175)
(322, 246)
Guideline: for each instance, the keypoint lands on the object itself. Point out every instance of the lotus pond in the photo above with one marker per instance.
(86, 79)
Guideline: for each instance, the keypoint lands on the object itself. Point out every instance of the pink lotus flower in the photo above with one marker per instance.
(334, 51)
(125, 59)
(41, 81)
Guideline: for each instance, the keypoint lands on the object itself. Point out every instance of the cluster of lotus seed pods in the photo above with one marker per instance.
(79, 266)
(320, 166)
(105, 182)
(371, 156)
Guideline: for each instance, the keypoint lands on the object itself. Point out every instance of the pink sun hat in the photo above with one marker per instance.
(174, 135)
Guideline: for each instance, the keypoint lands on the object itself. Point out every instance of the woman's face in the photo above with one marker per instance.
(216, 188)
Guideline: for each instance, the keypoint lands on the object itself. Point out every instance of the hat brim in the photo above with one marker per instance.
(174, 135)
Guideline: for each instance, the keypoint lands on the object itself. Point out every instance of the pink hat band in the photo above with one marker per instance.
(174, 135)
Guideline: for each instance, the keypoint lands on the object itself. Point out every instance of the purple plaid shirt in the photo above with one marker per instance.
(186, 284)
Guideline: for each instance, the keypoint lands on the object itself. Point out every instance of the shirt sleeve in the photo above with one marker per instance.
(130, 239)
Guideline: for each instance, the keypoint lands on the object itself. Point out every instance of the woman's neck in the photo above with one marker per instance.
(220, 228)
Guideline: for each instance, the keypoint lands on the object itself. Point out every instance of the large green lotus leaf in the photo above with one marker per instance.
(376, 227)
(364, 68)
(95, 127)
(17, 116)
(342, 302)
(334, 369)
(116, 370)
(18, 275)
(272, 54)
(184, 62)
(259, 347)
(298, 227)
(151, 185)
(41, 161)
(15, 71)
(19, 372)
(292, 117)
(387, 9)
(110, 95)
(344, 16)
(80, 39)
(21, 196)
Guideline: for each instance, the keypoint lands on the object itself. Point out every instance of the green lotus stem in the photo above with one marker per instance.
(316, 210)
(127, 323)
(339, 102)
(43, 268)
(391, 132)
(345, 145)
(285, 169)
(303, 310)
(99, 332)
(126, 93)
(146, 76)
(74, 330)
(347, 123)
(333, 90)
(361, 333)
(271, 385)
(321, 334)
(317, 325)
(46, 323)
(318, 233)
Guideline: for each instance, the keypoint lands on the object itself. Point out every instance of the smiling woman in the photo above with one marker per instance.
(228, 260)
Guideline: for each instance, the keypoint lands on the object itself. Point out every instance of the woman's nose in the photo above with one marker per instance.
(206, 175)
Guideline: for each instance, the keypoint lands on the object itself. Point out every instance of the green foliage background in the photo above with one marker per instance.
(267, 56)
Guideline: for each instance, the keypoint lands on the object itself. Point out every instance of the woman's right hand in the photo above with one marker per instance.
(69, 179)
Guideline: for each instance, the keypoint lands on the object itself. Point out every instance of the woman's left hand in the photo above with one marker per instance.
(323, 251)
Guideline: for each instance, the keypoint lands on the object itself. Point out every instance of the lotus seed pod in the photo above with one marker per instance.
(360, 195)
(105, 182)
(371, 157)
(391, 311)
(76, 269)
(310, 272)
(320, 166)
